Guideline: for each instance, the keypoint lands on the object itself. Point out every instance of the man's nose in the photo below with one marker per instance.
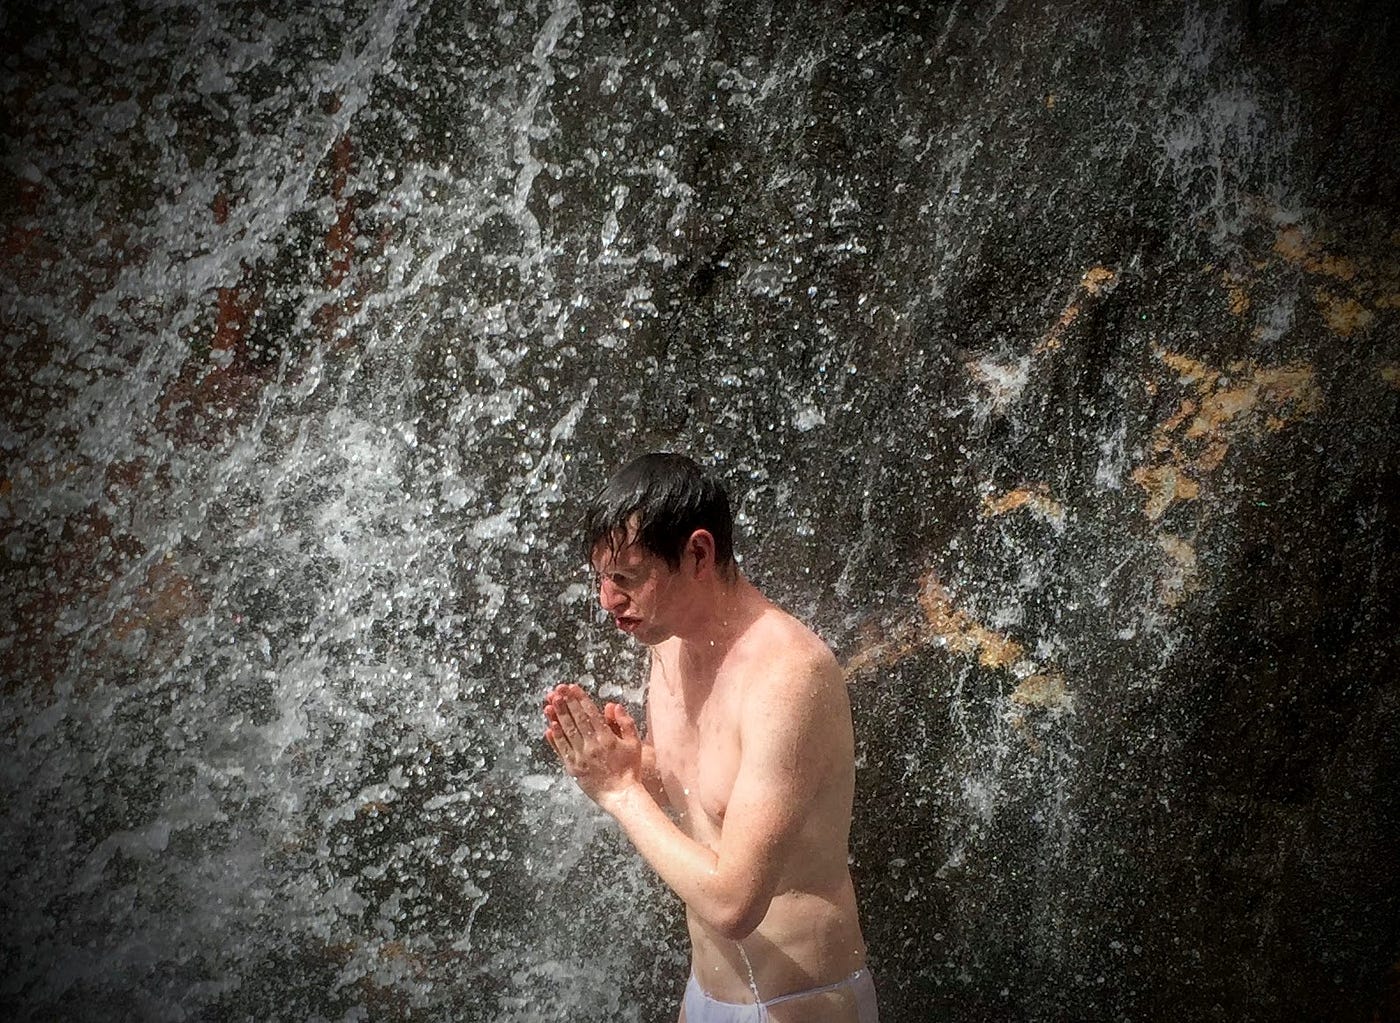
(609, 596)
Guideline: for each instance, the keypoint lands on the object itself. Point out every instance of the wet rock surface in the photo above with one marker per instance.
(1051, 355)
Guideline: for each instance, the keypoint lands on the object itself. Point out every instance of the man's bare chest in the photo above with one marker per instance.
(697, 753)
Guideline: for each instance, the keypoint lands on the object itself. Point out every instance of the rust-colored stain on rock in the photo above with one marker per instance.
(1236, 292)
(1229, 403)
(940, 623)
(1035, 500)
(960, 631)
(1179, 579)
(1038, 689)
(1096, 282)
(1099, 280)
(1342, 314)
(166, 600)
(1294, 246)
(1043, 692)
(1353, 289)
(1164, 484)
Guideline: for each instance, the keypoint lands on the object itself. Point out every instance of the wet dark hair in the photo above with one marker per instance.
(670, 496)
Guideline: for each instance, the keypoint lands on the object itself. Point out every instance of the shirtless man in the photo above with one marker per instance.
(740, 795)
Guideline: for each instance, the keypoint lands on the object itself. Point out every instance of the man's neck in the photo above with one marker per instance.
(724, 615)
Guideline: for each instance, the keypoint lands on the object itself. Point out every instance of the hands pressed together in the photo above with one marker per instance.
(601, 750)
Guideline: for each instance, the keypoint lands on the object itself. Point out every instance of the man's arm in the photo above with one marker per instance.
(620, 721)
(783, 740)
(651, 775)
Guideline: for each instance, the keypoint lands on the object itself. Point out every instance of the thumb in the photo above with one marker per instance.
(610, 713)
(626, 727)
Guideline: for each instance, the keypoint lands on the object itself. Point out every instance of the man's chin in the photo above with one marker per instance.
(649, 635)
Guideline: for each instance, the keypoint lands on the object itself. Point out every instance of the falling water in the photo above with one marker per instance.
(1050, 356)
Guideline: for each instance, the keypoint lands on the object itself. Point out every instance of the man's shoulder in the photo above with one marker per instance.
(792, 655)
(794, 697)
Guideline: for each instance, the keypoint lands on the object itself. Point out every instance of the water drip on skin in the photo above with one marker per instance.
(753, 981)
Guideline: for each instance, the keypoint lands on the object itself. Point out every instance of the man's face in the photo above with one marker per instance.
(639, 589)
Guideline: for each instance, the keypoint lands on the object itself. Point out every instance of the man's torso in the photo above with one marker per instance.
(810, 935)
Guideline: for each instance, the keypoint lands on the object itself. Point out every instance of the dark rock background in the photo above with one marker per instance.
(1050, 352)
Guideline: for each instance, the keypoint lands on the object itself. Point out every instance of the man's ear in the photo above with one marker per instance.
(700, 551)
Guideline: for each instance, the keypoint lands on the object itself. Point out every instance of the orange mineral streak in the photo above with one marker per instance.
(1293, 246)
(1096, 282)
(939, 624)
(162, 603)
(1037, 501)
(960, 632)
(1043, 692)
(1235, 291)
(210, 394)
(1391, 375)
(882, 647)
(1239, 401)
(1350, 291)
(234, 307)
(341, 237)
(1189, 370)
(1343, 315)
(233, 313)
(1179, 578)
(1099, 280)
(1161, 437)
(1164, 484)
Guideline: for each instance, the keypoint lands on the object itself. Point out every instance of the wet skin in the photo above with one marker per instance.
(749, 748)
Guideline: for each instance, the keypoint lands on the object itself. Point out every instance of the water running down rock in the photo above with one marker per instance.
(1051, 355)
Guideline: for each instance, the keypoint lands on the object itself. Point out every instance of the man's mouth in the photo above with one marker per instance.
(627, 624)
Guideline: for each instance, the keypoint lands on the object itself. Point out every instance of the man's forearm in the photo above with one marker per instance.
(730, 905)
(651, 778)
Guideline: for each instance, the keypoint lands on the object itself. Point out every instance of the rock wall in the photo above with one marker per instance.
(1050, 353)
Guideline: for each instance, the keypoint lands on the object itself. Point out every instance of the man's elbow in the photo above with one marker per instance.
(739, 918)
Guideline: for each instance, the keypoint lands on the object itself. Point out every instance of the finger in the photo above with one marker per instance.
(569, 723)
(590, 707)
(583, 714)
(610, 712)
(554, 695)
(563, 745)
(626, 727)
